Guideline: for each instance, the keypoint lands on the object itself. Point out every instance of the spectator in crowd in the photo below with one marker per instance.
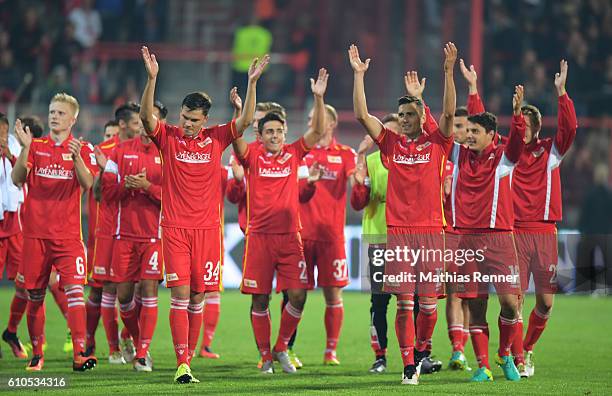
(87, 23)
(250, 41)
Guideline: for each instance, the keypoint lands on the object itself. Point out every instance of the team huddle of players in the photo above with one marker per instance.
(156, 208)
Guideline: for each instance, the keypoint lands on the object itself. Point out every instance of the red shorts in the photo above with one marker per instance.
(102, 258)
(193, 257)
(265, 253)
(67, 256)
(451, 244)
(404, 275)
(137, 260)
(330, 259)
(537, 255)
(491, 259)
(11, 249)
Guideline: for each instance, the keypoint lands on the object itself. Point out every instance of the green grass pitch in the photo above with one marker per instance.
(573, 356)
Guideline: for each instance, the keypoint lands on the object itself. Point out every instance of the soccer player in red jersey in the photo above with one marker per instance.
(414, 201)
(323, 217)
(482, 180)
(132, 178)
(106, 230)
(457, 311)
(11, 237)
(191, 224)
(273, 241)
(56, 168)
(536, 187)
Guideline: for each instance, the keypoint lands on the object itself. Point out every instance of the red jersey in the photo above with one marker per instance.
(447, 177)
(105, 213)
(414, 190)
(54, 194)
(272, 188)
(481, 196)
(536, 180)
(139, 211)
(191, 167)
(323, 216)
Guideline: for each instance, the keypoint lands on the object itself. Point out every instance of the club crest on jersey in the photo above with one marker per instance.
(285, 158)
(193, 158)
(206, 141)
(538, 152)
(423, 146)
(55, 171)
(334, 159)
(66, 156)
(275, 171)
(411, 159)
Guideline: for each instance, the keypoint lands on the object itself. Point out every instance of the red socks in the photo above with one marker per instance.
(77, 317)
(537, 324)
(92, 310)
(194, 314)
(507, 333)
(147, 320)
(426, 322)
(404, 328)
(262, 328)
(129, 317)
(18, 307)
(289, 321)
(179, 327)
(212, 309)
(466, 336)
(60, 298)
(480, 342)
(334, 315)
(455, 334)
(517, 343)
(36, 323)
(108, 311)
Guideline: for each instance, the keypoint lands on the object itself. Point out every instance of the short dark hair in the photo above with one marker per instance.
(271, 106)
(407, 99)
(3, 119)
(391, 117)
(534, 116)
(163, 110)
(35, 125)
(198, 100)
(125, 111)
(111, 123)
(271, 116)
(461, 111)
(487, 120)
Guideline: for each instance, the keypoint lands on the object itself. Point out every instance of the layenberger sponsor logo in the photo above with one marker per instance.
(193, 158)
(275, 171)
(411, 159)
(55, 172)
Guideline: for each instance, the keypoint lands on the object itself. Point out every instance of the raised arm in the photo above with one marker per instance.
(372, 124)
(474, 103)
(414, 87)
(255, 70)
(449, 103)
(314, 134)
(515, 144)
(20, 169)
(566, 113)
(146, 103)
(236, 102)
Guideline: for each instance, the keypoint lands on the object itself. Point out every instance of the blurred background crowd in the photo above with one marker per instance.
(90, 48)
